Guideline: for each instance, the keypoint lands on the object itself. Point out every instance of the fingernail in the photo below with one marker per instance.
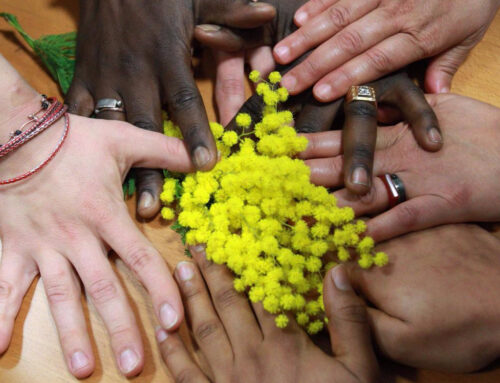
(301, 17)
(146, 200)
(260, 5)
(201, 156)
(444, 89)
(435, 136)
(128, 361)
(360, 176)
(209, 27)
(79, 360)
(168, 316)
(323, 91)
(282, 52)
(161, 334)
(184, 271)
(289, 82)
(199, 248)
(340, 279)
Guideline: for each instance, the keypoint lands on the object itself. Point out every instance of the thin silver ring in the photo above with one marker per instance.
(108, 104)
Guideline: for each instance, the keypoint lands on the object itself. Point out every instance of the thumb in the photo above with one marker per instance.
(145, 149)
(443, 67)
(348, 325)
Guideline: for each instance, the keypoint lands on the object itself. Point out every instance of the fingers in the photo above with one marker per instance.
(443, 67)
(359, 138)
(411, 101)
(388, 333)
(79, 99)
(177, 358)
(122, 235)
(144, 149)
(348, 325)
(261, 59)
(207, 329)
(229, 84)
(143, 108)
(63, 293)
(237, 14)
(16, 275)
(230, 41)
(346, 37)
(413, 215)
(316, 116)
(374, 202)
(388, 56)
(310, 9)
(327, 172)
(185, 107)
(322, 145)
(232, 307)
(107, 295)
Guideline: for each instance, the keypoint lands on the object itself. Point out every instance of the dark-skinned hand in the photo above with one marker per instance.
(241, 343)
(396, 91)
(139, 52)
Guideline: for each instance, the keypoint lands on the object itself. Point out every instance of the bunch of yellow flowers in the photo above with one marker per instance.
(259, 214)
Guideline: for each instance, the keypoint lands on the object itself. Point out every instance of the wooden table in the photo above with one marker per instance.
(35, 354)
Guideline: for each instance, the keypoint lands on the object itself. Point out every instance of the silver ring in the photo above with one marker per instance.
(108, 104)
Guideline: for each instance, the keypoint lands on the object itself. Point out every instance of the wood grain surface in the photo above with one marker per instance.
(34, 354)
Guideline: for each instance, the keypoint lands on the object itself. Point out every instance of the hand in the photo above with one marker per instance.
(140, 52)
(397, 92)
(244, 345)
(60, 222)
(457, 184)
(436, 304)
(356, 41)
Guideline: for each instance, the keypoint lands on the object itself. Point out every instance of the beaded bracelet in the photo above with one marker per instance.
(46, 161)
(54, 113)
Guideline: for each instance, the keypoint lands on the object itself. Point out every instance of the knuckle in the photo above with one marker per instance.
(339, 16)
(407, 215)
(226, 298)
(141, 258)
(191, 290)
(207, 330)
(380, 61)
(102, 291)
(336, 165)
(146, 123)
(122, 332)
(58, 291)
(185, 98)
(362, 109)
(352, 313)
(6, 290)
(309, 68)
(231, 86)
(350, 41)
(187, 375)
(362, 153)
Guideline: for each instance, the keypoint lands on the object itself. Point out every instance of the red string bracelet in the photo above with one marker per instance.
(46, 161)
(54, 113)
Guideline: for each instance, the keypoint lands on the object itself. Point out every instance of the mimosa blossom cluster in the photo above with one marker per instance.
(258, 213)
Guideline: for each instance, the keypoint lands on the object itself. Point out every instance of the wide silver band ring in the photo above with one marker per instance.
(108, 104)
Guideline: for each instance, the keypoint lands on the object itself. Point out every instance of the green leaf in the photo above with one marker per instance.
(181, 230)
(57, 52)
